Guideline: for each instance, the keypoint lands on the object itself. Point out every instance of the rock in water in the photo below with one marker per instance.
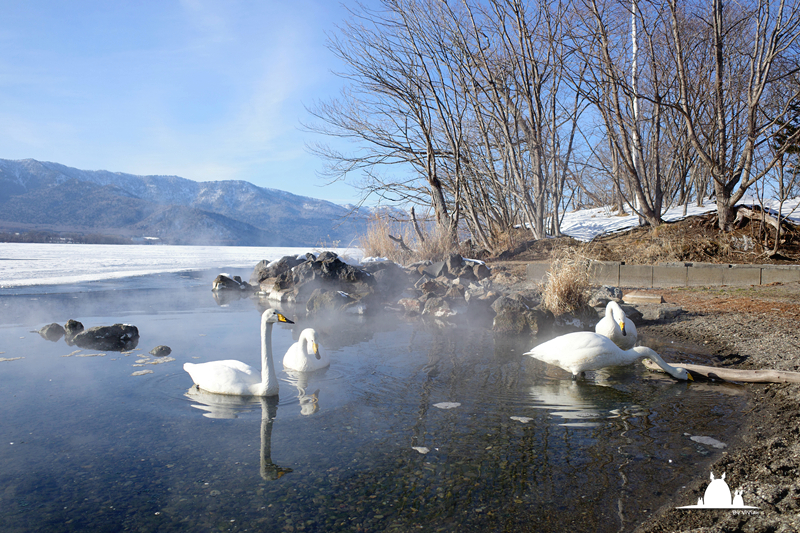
(52, 332)
(72, 328)
(161, 351)
(118, 337)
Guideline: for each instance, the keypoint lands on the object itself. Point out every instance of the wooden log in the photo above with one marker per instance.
(742, 212)
(733, 374)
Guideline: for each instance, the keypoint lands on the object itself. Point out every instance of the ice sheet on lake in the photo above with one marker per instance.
(27, 264)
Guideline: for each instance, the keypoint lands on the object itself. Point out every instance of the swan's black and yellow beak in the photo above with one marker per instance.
(282, 318)
(622, 327)
(689, 376)
(315, 347)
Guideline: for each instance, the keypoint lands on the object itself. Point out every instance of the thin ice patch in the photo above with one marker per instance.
(708, 441)
(447, 405)
(523, 419)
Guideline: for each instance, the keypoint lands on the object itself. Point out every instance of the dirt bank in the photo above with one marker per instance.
(755, 327)
(749, 328)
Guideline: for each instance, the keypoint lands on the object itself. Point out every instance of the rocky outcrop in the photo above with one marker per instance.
(449, 290)
(118, 337)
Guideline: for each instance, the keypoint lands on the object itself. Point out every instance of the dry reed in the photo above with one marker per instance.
(566, 288)
(377, 242)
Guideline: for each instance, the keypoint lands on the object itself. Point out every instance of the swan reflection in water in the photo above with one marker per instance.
(580, 404)
(226, 406)
(309, 401)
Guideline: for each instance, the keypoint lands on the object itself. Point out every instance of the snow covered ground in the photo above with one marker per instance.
(586, 224)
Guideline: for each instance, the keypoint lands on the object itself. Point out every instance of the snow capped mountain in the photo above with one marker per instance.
(43, 195)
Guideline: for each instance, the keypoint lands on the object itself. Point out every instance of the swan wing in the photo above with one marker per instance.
(577, 352)
(295, 359)
(224, 377)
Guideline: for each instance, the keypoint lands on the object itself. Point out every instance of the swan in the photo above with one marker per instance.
(617, 327)
(304, 355)
(237, 378)
(584, 350)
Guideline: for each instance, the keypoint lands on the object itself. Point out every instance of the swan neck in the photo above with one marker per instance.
(268, 376)
(671, 370)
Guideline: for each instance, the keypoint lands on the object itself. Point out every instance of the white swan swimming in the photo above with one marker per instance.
(304, 355)
(584, 350)
(237, 378)
(617, 327)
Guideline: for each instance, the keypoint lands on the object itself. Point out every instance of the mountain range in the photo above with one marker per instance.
(43, 196)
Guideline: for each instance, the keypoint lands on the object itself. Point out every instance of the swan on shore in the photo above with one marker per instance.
(237, 378)
(585, 350)
(304, 355)
(617, 327)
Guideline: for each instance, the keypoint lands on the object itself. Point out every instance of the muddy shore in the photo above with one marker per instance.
(747, 328)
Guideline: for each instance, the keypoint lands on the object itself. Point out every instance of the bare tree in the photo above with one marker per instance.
(743, 43)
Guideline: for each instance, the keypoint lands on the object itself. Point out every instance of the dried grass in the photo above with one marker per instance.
(376, 242)
(566, 289)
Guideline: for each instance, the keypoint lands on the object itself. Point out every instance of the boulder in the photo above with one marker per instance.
(510, 316)
(514, 316)
(411, 306)
(161, 351)
(224, 282)
(437, 307)
(584, 319)
(52, 332)
(434, 270)
(454, 262)
(481, 271)
(72, 328)
(479, 299)
(606, 294)
(272, 269)
(322, 301)
(390, 279)
(118, 337)
(326, 272)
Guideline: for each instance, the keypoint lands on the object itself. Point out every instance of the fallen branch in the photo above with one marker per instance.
(403, 246)
(745, 212)
(732, 374)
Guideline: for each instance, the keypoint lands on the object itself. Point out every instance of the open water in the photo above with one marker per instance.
(413, 427)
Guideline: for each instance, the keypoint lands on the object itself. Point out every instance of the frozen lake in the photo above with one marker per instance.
(412, 427)
(25, 265)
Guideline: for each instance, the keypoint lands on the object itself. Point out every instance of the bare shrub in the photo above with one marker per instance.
(566, 288)
(377, 242)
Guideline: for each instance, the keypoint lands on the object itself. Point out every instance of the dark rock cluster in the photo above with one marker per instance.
(117, 337)
(448, 290)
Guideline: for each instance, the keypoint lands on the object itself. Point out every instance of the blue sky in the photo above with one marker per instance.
(202, 89)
